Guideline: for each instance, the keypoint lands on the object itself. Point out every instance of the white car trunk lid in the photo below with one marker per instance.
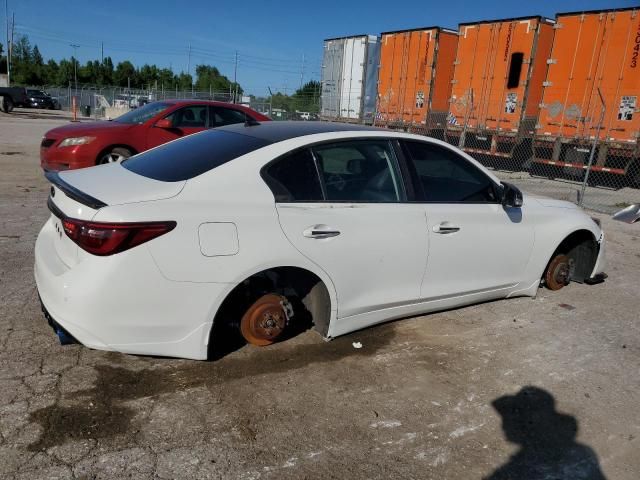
(113, 184)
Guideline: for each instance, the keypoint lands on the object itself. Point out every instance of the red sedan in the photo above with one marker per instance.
(80, 145)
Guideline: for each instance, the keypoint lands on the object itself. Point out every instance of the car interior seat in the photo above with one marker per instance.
(380, 188)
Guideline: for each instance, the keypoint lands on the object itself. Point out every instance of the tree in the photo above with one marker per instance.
(106, 72)
(148, 75)
(22, 66)
(210, 78)
(89, 73)
(125, 74)
(184, 81)
(29, 68)
(36, 57)
(306, 99)
(280, 100)
(3, 61)
(64, 74)
(51, 73)
(166, 79)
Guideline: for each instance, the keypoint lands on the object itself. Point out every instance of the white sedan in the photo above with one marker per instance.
(259, 228)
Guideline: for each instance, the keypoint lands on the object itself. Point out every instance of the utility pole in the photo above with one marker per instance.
(101, 52)
(302, 72)
(6, 12)
(189, 61)
(235, 78)
(75, 64)
(10, 46)
(270, 102)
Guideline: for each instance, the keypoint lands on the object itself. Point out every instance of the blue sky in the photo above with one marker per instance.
(271, 37)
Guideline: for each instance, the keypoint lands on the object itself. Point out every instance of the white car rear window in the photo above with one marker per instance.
(192, 156)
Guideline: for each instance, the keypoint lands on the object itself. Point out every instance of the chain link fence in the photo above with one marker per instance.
(595, 168)
(110, 102)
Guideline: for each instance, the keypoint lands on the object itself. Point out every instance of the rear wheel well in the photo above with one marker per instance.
(582, 249)
(306, 292)
(106, 150)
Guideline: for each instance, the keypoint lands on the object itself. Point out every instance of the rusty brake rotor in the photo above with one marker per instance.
(265, 321)
(558, 273)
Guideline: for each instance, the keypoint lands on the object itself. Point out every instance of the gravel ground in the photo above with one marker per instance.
(600, 199)
(547, 386)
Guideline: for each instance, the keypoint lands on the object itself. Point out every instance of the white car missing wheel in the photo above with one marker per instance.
(258, 227)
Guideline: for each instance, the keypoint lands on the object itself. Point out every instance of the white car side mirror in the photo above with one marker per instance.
(631, 214)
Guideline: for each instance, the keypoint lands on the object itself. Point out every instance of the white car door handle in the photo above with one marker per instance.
(445, 227)
(320, 231)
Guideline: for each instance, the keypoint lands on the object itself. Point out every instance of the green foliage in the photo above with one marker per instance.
(3, 60)
(184, 81)
(29, 68)
(305, 99)
(125, 75)
(209, 78)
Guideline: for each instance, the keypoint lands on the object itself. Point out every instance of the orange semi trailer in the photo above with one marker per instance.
(500, 67)
(414, 79)
(596, 51)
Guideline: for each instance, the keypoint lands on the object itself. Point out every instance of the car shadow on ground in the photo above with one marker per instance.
(547, 440)
(101, 412)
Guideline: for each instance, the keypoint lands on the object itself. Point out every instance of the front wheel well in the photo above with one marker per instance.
(107, 149)
(582, 248)
(307, 293)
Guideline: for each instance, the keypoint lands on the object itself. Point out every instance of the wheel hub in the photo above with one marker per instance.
(562, 274)
(113, 158)
(265, 321)
(559, 273)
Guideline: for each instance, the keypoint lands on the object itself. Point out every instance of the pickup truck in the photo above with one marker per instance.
(11, 96)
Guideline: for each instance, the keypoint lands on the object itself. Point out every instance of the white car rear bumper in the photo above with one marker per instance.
(123, 303)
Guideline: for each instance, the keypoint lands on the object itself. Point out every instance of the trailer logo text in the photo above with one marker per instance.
(636, 49)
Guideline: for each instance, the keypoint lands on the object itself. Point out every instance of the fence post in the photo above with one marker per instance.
(466, 120)
(74, 108)
(593, 148)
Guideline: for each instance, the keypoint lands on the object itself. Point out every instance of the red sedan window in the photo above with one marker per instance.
(221, 116)
(142, 114)
(193, 116)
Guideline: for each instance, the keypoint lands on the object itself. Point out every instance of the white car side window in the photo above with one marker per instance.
(444, 176)
(358, 171)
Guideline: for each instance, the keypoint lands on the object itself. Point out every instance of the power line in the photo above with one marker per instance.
(195, 53)
(235, 78)
(157, 48)
(189, 61)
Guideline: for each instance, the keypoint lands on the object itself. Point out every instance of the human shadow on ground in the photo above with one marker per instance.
(547, 439)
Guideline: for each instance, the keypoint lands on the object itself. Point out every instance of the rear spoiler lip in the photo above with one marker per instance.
(54, 209)
(73, 192)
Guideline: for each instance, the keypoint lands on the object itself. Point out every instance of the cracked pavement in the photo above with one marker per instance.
(414, 402)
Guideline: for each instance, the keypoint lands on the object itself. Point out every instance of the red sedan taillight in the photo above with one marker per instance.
(108, 238)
